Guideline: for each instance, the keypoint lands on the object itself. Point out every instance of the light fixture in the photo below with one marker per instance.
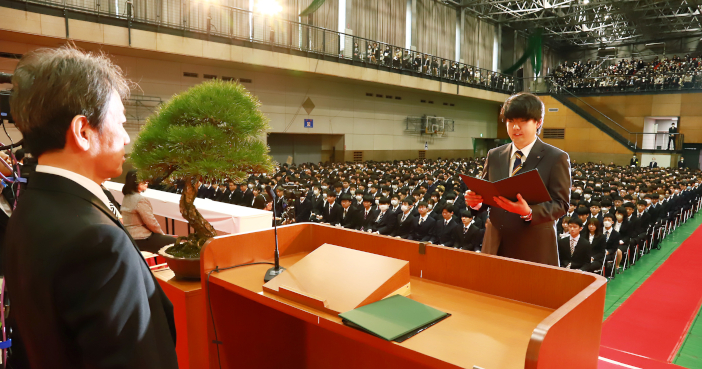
(268, 7)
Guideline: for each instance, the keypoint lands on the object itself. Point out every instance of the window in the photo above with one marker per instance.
(358, 156)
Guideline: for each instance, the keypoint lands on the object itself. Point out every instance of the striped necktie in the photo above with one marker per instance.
(517, 162)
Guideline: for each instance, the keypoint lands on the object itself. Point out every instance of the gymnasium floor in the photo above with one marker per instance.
(652, 311)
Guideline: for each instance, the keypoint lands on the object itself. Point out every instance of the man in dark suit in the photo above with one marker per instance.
(331, 212)
(368, 214)
(303, 208)
(468, 236)
(248, 195)
(574, 250)
(681, 163)
(653, 163)
(672, 135)
(350, 216)
(404, 219)
(385, 221)
(423, 225)
(82, 294)
(445, 229)
(528, 231)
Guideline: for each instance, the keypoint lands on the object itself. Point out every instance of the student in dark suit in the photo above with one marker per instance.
(303, 208)
(612, 238)
(248, 195)
(528, 232)
(350, 216)
(597, 242)
(368, 215)
(423, 225)
(331, 212)
(258, 201)
(574, 250)
(404, 219)
(385, 220)
(445, 229)
(681, 163)
(103, 307)
(468, 235)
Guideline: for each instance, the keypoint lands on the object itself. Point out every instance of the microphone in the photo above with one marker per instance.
(277, 269)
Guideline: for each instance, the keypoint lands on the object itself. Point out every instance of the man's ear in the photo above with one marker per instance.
(78, 134)
(539, 125)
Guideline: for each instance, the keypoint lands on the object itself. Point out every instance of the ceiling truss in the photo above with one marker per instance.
(593, 23)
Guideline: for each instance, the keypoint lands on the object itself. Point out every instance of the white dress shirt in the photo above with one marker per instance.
(85, 182)
(525, 153)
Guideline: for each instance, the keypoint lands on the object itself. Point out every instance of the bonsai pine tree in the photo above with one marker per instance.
(209, 133)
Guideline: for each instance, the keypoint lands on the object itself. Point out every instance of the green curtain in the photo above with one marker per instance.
(316, 4)
(531, 53)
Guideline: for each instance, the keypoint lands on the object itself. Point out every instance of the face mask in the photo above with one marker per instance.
(607, 223)
(324, 196)
(385, 194)
(404, 208)
(359, 198)
(648, 201)
(384, 207)
(579, 191)
(377, 202)
(316, 192)
(370, 184)
(430, 206)
(324, 187)
(394, 187)
(620, 217)
(605, 210)
(250, 185)
(353, 192)
(393, 202)
(587, 196)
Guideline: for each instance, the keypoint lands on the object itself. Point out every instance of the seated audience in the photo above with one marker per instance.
(138, 216)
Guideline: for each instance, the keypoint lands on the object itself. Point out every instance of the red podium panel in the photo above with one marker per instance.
(505, 313)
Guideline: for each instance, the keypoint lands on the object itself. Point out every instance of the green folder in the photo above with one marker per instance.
(395, 318)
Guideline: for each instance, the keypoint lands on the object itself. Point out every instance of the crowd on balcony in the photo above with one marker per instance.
(395, 57)
(628, 75)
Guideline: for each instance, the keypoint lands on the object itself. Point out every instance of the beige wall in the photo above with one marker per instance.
(630, 110)
(583, 141)
(370, 124)
(19, 24)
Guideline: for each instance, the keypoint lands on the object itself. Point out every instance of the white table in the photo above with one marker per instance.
(225, 218)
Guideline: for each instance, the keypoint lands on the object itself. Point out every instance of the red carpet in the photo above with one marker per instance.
(653, 321)
(613, 359)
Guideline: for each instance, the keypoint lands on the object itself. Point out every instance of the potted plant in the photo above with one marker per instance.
(211, 132)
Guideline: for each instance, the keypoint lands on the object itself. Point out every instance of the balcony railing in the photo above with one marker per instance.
(230, 23)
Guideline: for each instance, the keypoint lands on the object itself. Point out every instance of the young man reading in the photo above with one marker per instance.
(516, 229)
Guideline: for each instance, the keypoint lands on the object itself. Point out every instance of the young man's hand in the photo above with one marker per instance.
(519, 207)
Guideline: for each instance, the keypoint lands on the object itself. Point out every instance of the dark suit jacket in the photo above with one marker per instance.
(653, 164)
(246, 198)
(386, 224)
(403, 229)
(333, 216)
(467, 239)
(82, 294)
(422, 232)
(444, 234)
(303, 210)
(367, 220)
(352, 219)
(581, 256)
(535, 240)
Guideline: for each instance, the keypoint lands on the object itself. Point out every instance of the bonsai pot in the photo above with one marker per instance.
(183, 268)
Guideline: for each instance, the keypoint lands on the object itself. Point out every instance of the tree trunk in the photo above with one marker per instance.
(202, 227)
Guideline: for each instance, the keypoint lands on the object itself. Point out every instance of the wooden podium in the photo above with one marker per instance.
(505, 313)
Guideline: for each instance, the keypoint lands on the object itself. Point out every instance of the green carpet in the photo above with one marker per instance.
(690, 354)
(620, 288)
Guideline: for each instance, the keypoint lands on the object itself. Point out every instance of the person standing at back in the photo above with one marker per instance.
(82, 294)
(516, 229)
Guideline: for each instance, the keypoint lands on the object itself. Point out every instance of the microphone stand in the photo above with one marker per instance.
(277, 269)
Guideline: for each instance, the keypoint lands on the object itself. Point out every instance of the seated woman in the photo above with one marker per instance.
(138, 216)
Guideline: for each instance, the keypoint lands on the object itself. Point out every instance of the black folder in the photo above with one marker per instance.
(529, 184)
